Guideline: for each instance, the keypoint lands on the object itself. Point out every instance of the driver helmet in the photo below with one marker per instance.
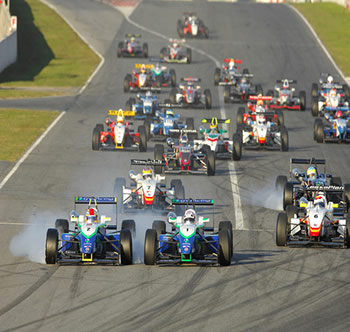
(91, 215)
(175, 44)
(148, 94)
(184, 139)
(108, 122)
(214, 123)
(339, 114)
(330, 79)
(285, 84)
(231, 64)
(169, 112)
(157, 66)
(260, 100)
(190, 216)
(143, 69)
(260, 119)
(320, 200)
(147, 173)
(120, 116)
(311, 173)
(244, 80)
(190, 84)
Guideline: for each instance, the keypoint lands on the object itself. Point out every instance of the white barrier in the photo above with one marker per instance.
(345, 3)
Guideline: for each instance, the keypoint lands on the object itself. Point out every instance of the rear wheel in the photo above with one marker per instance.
(259, 89)
(162, 53)
(320, 132)
(145, 50)
(51, 246)
(127, 81)
(150, 247)
(225, 253)
(119, 49)
(269, 93)
(227, 225)
(281, 181)
(217, 76)
(62, 226)
(96, 143)
(284, 139)
(128, 105)
(239, 116)
(125, 247)
(347, 235)
(347, 195)
(316, 125)
(314, 90)
(190, 123)
(178, 188)
(147, 125)
(172, 77)
(158, 155)
(159, 226)
(302, 97)
(280, 118)
(346, 91)
(130, 225)
(314, 106)
(142, 139)
(189, 55)
(288, 195)
(172, 96)
(227, 95)
(245, 71)
(207, 95)
(281, 229)
(237, 146)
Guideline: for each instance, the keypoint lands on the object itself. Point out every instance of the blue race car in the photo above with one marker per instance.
(145, 105)
(164, 121)
(190, 242)
(91, 241)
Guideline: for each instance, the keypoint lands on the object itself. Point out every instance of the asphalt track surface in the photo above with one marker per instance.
(266, 287)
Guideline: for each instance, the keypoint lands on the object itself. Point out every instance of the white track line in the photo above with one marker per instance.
(239, 220)
(29, 151)
(320, 42)
(82, 38)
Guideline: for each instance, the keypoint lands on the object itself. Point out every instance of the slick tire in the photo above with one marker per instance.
(126, 85)
(237, 147)
(130, 225)
(172, 96)
(147, 125)
(62, 226)
(51, 246)
(320, 132)
(281, 181)
(288, 195)
(158, 155)
(217, 76)
(159, 226)
(172, 78)
(227, 225)
(302, 97)
(225, 253)
(227, 98)
(96, 143)
(207, 96)
(284, 139)
(280, 118)
(126, 247)
(317, 123)
(314, 106)
(150, 247)
(239, 116)
(281, 229)
(119, 49)
(142, 139)
(189, 55)
(314, 90)
(145, 50)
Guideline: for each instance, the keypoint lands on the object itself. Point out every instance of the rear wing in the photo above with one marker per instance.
(227, 60)
(244, 75)
(289, 81)
(129, 35)
(95, 200)
(140, 65)
(168, 105)
(192, 201)
(302, 161)
(326, 189)
(256, 98)
(215, 120)
(182, 131)
(190, 79)
(148, 162)
(267, 114)
(179, 41)
(124, 113)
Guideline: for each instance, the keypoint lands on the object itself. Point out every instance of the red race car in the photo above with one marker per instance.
(192, 26)
(141, 80)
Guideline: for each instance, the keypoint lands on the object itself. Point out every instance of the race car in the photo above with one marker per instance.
(328, 94)
(164, 121)
(141, 80)
(283, 98)
(118, 135)
(192, 26)
(316, 222)
(261, 133)
(160, 73)
(182, 158)
(336, 129)
(91, 241)
(295, 187)
(227, 75)
(188, 94)
(175, 52)
(190, 242)
(145, 106)
(242, 89)
(131, 47)
(148, 190)
(213, 137)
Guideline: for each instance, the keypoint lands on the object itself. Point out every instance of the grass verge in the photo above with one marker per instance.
(20, 128)
(331, 22)
(50, 53)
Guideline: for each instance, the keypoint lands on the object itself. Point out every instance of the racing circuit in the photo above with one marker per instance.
(266, 287)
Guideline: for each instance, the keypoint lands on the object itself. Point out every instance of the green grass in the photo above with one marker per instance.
(50, 53)
(20, 128)
(331, 22)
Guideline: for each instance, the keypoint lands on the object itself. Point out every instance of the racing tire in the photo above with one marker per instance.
(100, 126)
(320, 132)
(147, 125)
(245, 71)
(227, 225)
(178, 188)
(190, 123)
(128, 105)
(127, 80)
(119, 49)
(207, 95)
(347, 230)
(130, 225)
(281, 229)
(259, 90)
(180, 31)
(162, 53)
(96, 143)
(158, 155)
(302, 97)
(150, 247)
(189, 55)
(347, 195)
(284, 139)
(280, 118)
(126, 247)
(145, 50)
(160, 227)
(172, 77)
(62, 226)
(227, 93)
(269, 93)
(314, 90)
(211, 163)
(346, 92)
(316, 125)
(225, 253)
(142, 139)
(314, 106)
(288, 195)
(51, 246)
(172, 96)
(281, 181)
(217, 76)
(239, 116)
(236, 146)
(206, 32)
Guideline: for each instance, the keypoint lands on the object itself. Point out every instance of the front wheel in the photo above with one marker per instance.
(145, 50)
(227, 95)
(236, 147)
(158, 155)
(189, 55)
(142, 139)
(159, 226)
(150, 247)
(314, 106)
(51, 246)
(284, 139)
(207, 95)
(281, 229)
(96, 143)
(225, 253)
(281, 181)
(217, 76)
(227, 225)
(130, 225)
(125, 247)
(302, 97)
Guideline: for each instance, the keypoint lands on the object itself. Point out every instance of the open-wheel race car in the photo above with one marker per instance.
(227, 75)
(191, 26)
(175, 52)
(188, 94)
(144, 105)
(141, 79)
(317, 221)
(283, 97)
(165, 77)
(214, 138)
(182, 157)
(118, 135)
(190, 241)
(148, 189)
(92, 241)
(131, 47)
(295, 187)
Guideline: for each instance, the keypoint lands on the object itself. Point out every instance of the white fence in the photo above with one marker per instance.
(8, 35)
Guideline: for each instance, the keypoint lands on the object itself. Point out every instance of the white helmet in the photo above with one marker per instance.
(320, 200)
(330, 79)
(190, 216)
